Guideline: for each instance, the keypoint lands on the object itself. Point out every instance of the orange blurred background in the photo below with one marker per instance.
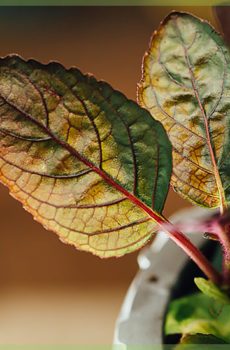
(50, 292)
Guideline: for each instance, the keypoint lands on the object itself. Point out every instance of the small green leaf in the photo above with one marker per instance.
(189, 339)
(87, 162)
(211, 290)
(192, 314)
(201, 339)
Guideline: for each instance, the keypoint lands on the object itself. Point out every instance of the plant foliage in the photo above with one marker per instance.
(81, 157)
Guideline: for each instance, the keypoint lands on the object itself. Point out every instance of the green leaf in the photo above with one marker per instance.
(192, 314)
(211, 290)
(87, 162)
(186, 85)
(188, 340)
(199, 339)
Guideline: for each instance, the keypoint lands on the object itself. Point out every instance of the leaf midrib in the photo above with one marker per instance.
(223, 205)
(129, 136)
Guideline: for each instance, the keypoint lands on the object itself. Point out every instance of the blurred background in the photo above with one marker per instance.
(50, 293)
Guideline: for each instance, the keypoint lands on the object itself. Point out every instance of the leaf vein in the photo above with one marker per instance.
(188, 159)
(129, 136)
(69, 176)
(209, 142)
(169, 116)
(119, 228)
(29, 139)
(87, 114)
(125, 246)
(191, 186)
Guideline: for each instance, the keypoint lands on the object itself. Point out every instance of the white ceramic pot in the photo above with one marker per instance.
(141, 317)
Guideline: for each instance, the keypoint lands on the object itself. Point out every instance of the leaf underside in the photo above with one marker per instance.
(82, 158)
(186, 85)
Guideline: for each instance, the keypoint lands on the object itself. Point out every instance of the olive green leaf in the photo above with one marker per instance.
(211, 290)
(87, 162)
(186, 85)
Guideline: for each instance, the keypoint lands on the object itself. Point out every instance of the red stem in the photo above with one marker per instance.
(224, 237)
(201, 261)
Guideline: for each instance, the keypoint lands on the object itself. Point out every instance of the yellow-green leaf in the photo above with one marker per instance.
(211, 290)
(198, 338)
(87, 162)
(186, 85)
(193, 314)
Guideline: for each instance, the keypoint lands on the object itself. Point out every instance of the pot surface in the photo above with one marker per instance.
(142, 314)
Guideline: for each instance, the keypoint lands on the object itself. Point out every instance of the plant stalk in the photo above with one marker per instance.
(178, 237)
(223, 233)
(201, 261)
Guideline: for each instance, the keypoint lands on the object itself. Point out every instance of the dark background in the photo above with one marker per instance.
(50, 292)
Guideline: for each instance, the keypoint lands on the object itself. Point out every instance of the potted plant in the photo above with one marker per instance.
(178, 86)
(95, 167)
(197, 316)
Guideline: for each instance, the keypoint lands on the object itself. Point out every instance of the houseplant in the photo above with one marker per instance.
(177, 85)
(95, 167)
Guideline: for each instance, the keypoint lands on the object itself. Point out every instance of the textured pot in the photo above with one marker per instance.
(142, 314)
